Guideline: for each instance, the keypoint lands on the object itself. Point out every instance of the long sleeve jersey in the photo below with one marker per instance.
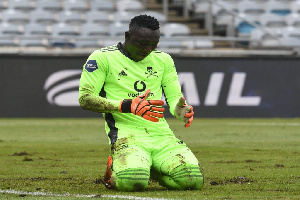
(109, 76)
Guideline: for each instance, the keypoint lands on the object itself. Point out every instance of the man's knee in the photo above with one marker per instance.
(187, 177)
(131, 180)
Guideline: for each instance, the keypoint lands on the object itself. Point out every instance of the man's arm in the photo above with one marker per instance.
(91, 102)
(172, 90)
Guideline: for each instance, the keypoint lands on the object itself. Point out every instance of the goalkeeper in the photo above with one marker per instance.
(131, 78)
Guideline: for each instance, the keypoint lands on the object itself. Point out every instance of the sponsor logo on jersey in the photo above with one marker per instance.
(91, 66)
(122, 73)
(139, 86)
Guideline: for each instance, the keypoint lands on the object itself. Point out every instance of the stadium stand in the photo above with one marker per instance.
(186, 24)
(52, 5)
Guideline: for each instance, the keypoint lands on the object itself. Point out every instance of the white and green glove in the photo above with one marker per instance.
(184, 112)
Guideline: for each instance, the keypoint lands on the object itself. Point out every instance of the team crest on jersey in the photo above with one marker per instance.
(151, 72)
(91, 66)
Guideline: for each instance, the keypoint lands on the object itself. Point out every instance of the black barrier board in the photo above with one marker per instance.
(39, 86)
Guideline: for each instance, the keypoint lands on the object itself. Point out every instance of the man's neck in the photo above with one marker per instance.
(123, 50)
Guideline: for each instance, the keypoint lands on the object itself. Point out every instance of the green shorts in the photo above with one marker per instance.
(134, 159)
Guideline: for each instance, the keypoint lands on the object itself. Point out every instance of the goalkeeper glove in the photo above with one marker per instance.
(146, 108)
(184, 112)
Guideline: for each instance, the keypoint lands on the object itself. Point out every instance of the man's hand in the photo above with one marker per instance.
(184, 112)
(146, 108)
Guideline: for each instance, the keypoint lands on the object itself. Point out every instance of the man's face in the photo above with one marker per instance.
(141, 42)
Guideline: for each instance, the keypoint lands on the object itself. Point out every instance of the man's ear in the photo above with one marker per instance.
(127, 35)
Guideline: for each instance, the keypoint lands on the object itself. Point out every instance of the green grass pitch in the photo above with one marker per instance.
(64, 158)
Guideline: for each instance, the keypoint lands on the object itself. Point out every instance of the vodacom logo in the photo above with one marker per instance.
(62, 87)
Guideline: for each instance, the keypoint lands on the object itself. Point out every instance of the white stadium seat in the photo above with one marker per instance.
(53, 5)
(175, 29)
(15, 16)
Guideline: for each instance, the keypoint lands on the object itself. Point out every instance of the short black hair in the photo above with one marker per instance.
(144, 21)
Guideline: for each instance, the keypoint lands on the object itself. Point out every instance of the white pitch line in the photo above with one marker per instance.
(261, 124)
(77, 195)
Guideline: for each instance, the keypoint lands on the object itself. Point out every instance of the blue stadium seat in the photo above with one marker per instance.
(278, 7)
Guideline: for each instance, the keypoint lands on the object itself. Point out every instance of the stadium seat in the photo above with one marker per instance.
(35, 29)
(63, 29)
(90, 29)
(200, 7)
(87, 43)
(53, 5)
(9, 42)
(24, 5)
(295, 7)
(43, 17)
(117, 29)
(291, 37)
(3, 5)
(33, 42)
(174, 43)
(272, 20)
(278, 7)
(204, 43)
(76, 5)
(7, 29)
(293, 20)
(15, 16)
(98, 16)
(223, 17)
(159, 16)
(129, 5)
(267, 37)
(111, 41)
(104, 5)
(175, 29)
(251, 8)
(123, 16)
(70, 17)
(246, 23)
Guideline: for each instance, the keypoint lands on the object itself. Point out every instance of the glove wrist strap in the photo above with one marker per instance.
(126, 106)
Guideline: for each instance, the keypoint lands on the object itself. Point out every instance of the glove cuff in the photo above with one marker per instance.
(125, 106)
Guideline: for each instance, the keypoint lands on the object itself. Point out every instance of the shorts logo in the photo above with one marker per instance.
(139, 86)
(91, 66)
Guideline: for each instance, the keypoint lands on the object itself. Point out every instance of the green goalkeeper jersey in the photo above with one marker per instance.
(109, 76)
